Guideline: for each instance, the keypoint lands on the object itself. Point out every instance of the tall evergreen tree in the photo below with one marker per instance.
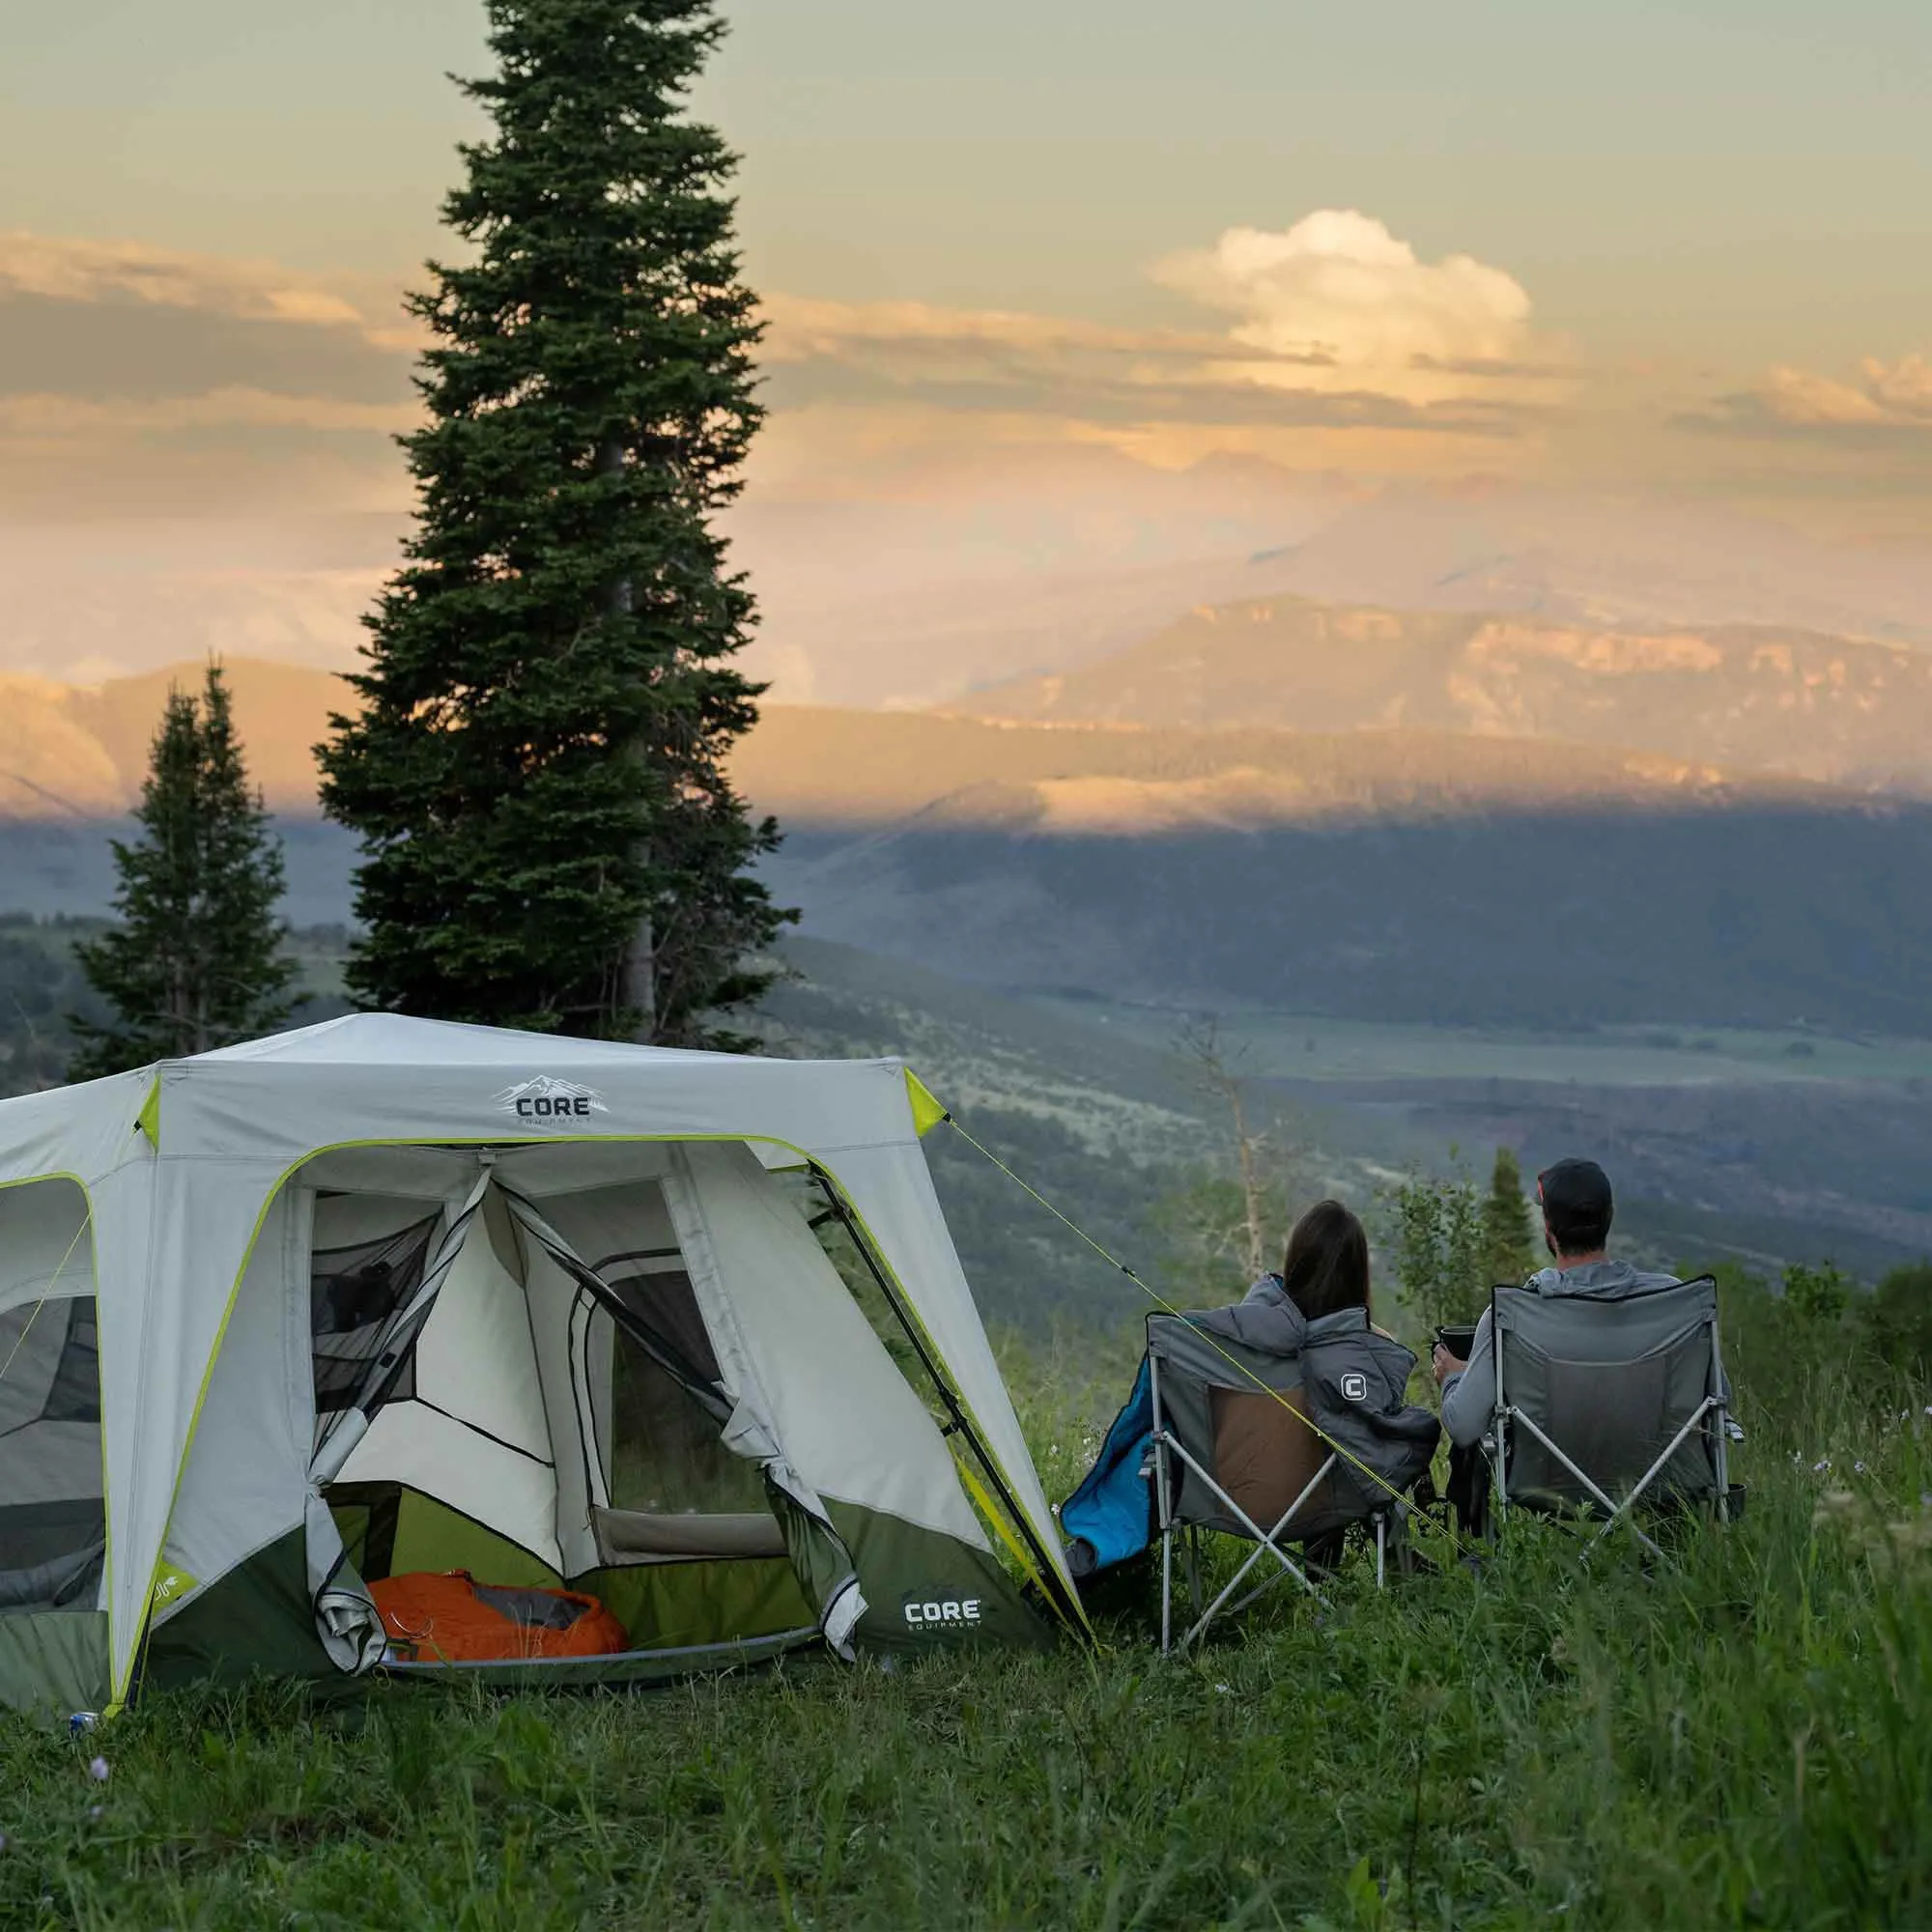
(537, 770)
(1509, 1233)
(197, 959)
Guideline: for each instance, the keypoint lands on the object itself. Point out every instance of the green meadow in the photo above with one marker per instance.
(1736, 1735)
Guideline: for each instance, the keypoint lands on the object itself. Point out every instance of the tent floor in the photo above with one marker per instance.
(622, 1667)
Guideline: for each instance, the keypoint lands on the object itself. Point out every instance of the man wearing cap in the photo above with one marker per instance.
(1576, 1204)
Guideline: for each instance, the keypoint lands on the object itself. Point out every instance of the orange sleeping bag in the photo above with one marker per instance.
(451, 1618)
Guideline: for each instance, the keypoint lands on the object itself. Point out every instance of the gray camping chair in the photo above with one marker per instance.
(1233, 1450)
(1602, 1404)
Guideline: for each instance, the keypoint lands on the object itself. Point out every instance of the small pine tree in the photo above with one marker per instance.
(1509, 1233)
(1439, 1251)
(197, 959)
(538, 768)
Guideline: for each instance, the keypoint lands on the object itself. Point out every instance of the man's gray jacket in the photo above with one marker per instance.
(1468, 1400)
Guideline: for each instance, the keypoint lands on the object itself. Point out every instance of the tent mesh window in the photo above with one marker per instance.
(354, 1294)
(53, 1524)
(666, 1457)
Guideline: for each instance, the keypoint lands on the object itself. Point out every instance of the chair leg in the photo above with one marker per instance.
(1166, 1588)
(1381, 1549)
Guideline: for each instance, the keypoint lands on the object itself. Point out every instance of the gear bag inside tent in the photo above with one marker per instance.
(392, 1347)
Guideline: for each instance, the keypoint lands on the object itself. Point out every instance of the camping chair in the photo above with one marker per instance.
(1233, 1450)
(1605, 1403)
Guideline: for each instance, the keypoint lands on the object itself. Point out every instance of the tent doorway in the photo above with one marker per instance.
(623, 1371)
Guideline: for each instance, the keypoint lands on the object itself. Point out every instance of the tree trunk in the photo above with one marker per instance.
(1254, 1207)
(636, 981)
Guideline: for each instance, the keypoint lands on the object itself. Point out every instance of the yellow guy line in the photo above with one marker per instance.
(1167, 1307)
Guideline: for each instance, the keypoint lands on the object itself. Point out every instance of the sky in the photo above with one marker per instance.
(1024, 264)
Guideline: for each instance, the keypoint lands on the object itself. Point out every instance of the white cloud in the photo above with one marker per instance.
(1880, 402)
(1368, 314)
(1904, 387)
(66, 268)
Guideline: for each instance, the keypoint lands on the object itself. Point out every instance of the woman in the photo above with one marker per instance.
(1326, 1268)
(1354, 1381)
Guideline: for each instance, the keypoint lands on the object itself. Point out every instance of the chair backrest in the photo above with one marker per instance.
(1242, 1413)
(1611, 1381)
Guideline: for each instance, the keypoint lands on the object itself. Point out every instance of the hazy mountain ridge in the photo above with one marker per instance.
(1751, 698)
(79, 752)
(79, 755)
(825, 770)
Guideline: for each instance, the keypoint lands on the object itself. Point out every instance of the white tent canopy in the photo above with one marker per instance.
(212, 1185)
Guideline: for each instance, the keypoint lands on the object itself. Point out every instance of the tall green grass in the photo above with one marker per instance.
(1739, 1735)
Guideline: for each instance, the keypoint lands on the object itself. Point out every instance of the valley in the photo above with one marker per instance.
(1446, 879)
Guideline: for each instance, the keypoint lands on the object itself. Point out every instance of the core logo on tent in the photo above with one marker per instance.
(1355, 1388)
(949, 1610)
(546, 1098)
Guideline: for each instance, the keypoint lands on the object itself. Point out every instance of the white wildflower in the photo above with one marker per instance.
(98, 1770)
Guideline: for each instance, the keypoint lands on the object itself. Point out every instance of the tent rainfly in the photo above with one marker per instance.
(684, 1331)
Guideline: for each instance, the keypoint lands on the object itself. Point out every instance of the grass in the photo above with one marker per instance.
(1737, 1736)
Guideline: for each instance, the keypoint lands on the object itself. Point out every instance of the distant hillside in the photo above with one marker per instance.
(1103, 1115)
(1748, 697)
(1760, 917)
(78, 755)
(884, 770)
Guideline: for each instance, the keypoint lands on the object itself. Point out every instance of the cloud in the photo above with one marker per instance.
(50, 415)
(119, 321)
(1368, 314)
(141, 382)
(1881, 404)
(1339, 327)
(798, 329)
(65, 269)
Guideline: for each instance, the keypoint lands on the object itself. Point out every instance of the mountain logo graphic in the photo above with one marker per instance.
(548, 1099)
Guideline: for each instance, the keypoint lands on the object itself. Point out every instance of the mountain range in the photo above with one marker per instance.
(1326, 809)
(1749, 697)
(1267, 710)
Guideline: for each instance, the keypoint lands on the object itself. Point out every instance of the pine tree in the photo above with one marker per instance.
(537, 770)
(197, 959)
(1508, 1235)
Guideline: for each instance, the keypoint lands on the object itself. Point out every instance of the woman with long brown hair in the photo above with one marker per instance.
(1326, 1266)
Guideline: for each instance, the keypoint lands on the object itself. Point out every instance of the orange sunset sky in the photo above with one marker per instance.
(1069, 305)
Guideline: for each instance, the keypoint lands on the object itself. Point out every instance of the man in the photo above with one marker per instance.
(1577, 1209)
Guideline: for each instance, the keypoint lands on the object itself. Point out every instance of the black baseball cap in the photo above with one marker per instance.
(1575, 1192)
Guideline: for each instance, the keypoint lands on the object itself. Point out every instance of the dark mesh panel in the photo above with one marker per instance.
(353, 1293)
(665, 1455)
(33, 1534)
(76, 1394)
(49, 1365)
(30, 1340)
(54, 1524)
(657, 1292)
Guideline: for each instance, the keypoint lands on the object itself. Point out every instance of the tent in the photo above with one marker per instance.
(682, 1330)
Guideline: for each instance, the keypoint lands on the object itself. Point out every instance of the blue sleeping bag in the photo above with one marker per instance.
(1110, 1516)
